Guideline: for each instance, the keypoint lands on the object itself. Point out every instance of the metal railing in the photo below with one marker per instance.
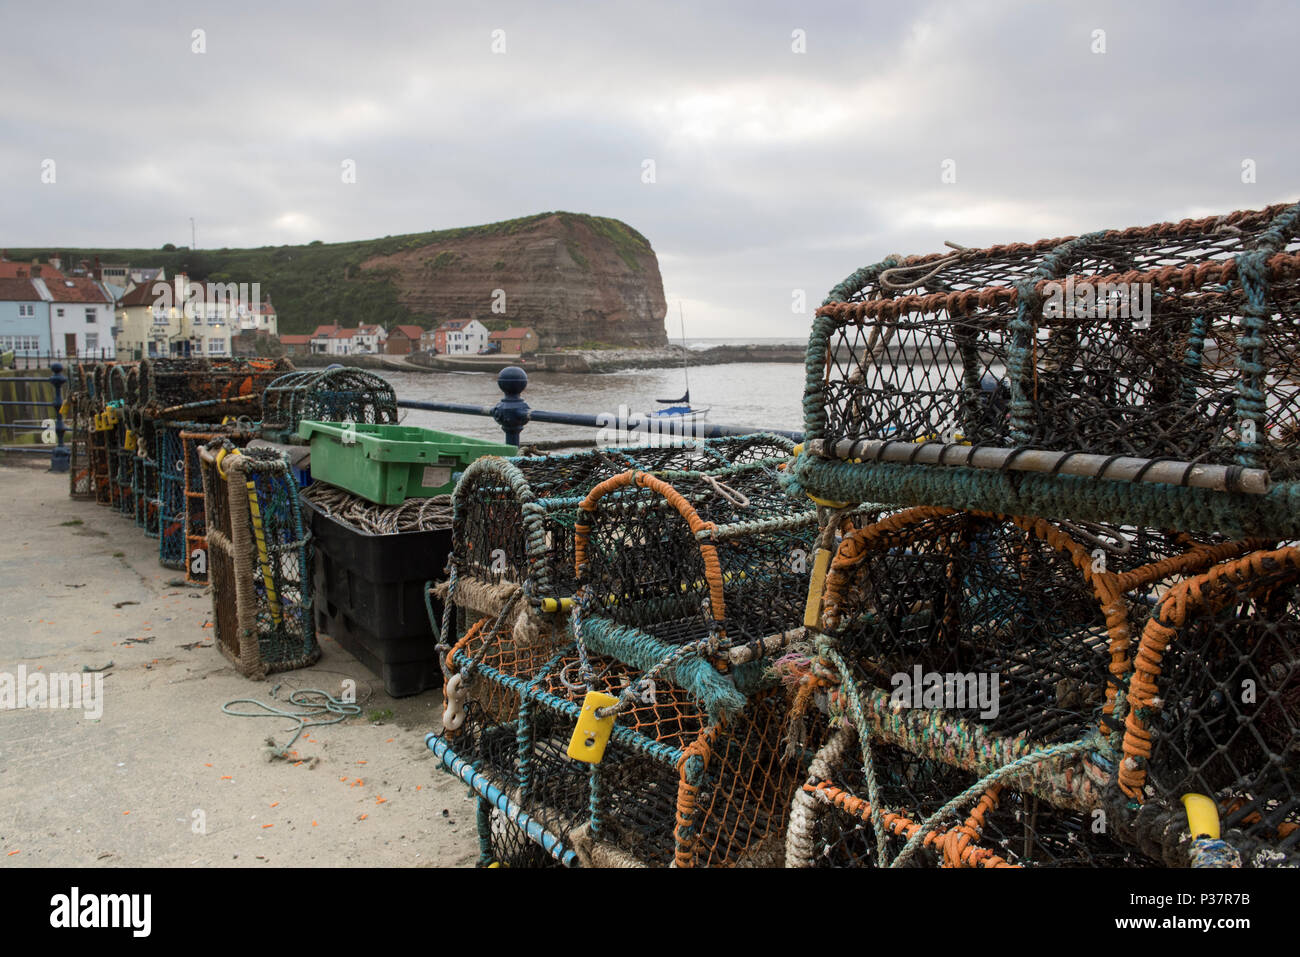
(49, 431)
(512, 413)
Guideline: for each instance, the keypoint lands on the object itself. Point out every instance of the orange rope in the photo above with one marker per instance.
(1207, 593)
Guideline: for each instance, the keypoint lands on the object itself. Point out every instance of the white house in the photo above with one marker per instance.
(81, 316)
(462, 337)
(369, 338)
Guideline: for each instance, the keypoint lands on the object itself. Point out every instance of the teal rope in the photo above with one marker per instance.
(327, 705)
(859, 715)
(1145, 504)
(1050, 753)
(428, 610)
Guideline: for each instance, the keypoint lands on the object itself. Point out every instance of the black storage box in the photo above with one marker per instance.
(369, 597)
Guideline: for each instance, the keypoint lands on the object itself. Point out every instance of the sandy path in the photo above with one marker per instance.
(124, 790)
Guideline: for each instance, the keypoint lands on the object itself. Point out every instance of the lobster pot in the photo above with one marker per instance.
(1214, 703)
(831, 818)
(1174, 342)
(258, 561)
(179, 485)
(675, 786)
(100, 433)
(206, 390)
(144, 482)
(514, 525)
(1037, 617)
(194, 513)
(326, 395)
(81, 478)
(121, 459)
(726, 553)
(99, 465)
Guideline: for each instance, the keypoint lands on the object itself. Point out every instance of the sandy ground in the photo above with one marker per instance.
(164, 777)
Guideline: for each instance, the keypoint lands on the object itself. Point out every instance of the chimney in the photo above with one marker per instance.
(99, 271)
(36, 271)
(22, 273)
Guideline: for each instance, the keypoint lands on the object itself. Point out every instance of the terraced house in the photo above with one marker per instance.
(182, 317)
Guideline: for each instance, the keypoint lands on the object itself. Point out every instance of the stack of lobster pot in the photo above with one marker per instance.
(1073, 641)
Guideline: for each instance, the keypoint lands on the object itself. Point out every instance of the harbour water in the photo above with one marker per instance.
(764, 395)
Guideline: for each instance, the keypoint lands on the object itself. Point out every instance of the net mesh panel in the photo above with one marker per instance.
(645, 566)
(491, 541)
(258, 563)
(213, 388)
(144, 481)
(285, 629)
(171, 487)
(1224, 715)
(940, 361)
(194, 527)
(328, 395)
(966, 594)
(503, 844)
(1019, 829)
(634, 799)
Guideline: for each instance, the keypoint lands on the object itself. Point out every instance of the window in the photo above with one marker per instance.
(92, 341)
(215, 347)
(26, 310)
(92, 314)
(20, 343)
(59, 313)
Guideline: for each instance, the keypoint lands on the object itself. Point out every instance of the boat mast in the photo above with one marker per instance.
(686, 369)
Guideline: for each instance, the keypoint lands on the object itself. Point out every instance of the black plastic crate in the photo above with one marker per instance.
(369, 597)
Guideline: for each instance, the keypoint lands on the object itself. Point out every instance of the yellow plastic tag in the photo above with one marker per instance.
(1202, 815)
(129, 441)
(812, 611)
(592, 733)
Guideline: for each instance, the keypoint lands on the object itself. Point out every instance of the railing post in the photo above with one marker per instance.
(511, 413)
(60, 455)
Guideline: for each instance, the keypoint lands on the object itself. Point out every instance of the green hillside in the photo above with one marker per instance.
(323, 282)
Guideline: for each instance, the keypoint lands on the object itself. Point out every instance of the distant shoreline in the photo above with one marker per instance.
(579, 361)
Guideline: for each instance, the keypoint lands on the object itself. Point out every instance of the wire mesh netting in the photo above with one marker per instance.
(1046, 614)
(673, 787)
(327, 395)
(1215, 701)
(180, 500)
(1175, 341)
(258, 560)
(831, 820)
(515, 517)
(726, 552)
(205, 389)
(513, 521)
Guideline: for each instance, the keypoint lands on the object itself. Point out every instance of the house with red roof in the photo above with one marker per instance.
(81, 316)
(296, 345)
(514, 342)
(403, 340)
(464, 337)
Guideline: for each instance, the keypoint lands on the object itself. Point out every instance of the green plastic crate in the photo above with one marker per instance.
(388, 464)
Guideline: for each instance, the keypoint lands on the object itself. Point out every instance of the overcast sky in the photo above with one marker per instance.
(774, 170)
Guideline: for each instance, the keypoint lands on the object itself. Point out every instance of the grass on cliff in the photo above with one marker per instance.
(322, 283)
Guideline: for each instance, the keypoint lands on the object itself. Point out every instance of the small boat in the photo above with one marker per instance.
(681, 410)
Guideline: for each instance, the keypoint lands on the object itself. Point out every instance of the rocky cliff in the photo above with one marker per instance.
(574, 279)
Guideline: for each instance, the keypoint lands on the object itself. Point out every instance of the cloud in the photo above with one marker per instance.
(775, 170)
